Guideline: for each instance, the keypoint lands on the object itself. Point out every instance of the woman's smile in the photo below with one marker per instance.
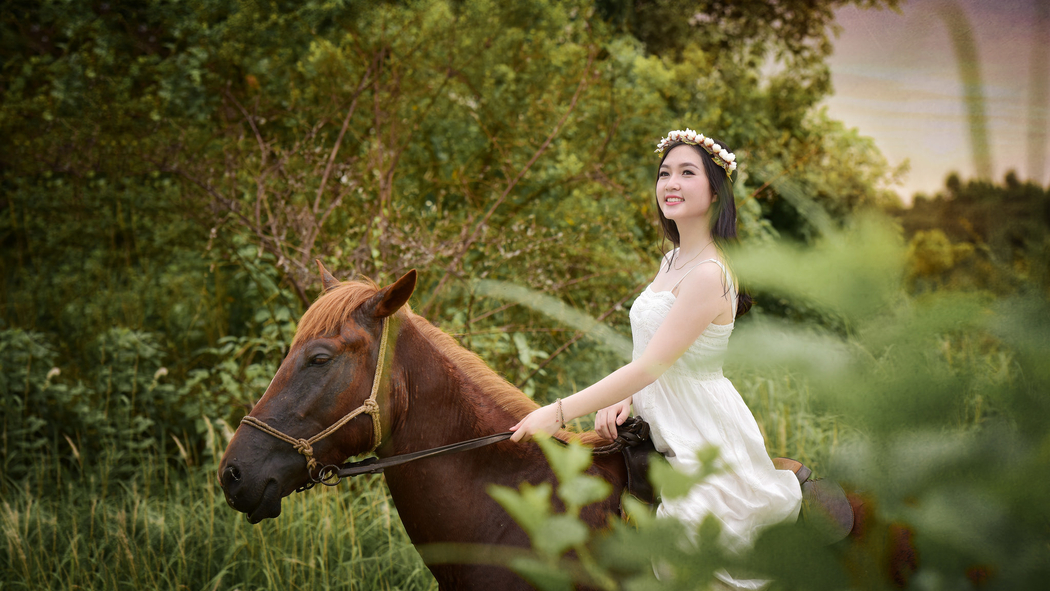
(682, 173)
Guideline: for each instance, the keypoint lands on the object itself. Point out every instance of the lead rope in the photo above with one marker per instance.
(370, 406)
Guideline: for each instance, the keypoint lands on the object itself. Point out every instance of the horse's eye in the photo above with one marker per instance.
(319, 359)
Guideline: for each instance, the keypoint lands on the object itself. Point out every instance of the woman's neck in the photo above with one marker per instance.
(694, 237)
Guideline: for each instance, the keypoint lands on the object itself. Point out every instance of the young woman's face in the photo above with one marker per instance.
(682, 188)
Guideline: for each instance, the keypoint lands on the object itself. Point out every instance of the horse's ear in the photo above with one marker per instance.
(392, 297)
(328, 281)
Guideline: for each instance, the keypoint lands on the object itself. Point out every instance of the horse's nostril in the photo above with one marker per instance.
(231, 474)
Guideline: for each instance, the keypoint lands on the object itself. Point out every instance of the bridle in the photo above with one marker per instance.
(369, 406)
(331, 475)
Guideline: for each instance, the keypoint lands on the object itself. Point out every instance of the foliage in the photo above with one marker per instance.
(471, 140)
(946, 396)
(980, 235)
(172, 169)
(126, 404)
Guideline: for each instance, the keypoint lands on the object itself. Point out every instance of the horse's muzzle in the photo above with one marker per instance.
(258, 500)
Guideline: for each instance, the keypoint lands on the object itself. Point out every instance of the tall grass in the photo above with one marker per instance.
(171, 529)
(790, 425)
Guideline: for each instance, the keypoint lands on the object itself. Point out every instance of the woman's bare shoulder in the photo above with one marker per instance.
(705, 280)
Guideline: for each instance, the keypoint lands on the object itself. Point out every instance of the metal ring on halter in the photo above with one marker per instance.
(326, 475)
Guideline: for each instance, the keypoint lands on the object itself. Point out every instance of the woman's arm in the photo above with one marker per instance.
(701, 299)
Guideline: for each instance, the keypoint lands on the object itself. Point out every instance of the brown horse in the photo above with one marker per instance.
(432, 392)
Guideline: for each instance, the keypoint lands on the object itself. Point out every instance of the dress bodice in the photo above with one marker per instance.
(702, 360)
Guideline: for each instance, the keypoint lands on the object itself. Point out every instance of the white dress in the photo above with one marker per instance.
(692, 406)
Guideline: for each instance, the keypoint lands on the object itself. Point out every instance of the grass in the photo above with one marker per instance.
(791, 428)
(89, 533)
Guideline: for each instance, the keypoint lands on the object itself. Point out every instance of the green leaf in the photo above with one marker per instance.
(638, 512)
(567, 461)
(529, 506)
(671, 483)
(583, 490)
(559, 533)
(541, 575)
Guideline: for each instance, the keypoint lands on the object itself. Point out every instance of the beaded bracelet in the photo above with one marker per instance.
(561, 417)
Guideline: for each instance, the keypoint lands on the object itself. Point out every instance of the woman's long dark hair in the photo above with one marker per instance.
(723, 224)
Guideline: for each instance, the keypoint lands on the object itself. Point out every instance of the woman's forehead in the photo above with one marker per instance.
(682, 155)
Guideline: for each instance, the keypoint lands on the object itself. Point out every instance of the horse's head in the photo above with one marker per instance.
(329, 376)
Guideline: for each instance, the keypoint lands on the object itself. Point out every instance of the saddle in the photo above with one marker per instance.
(825, 507)
(824, 503)
(633, 441)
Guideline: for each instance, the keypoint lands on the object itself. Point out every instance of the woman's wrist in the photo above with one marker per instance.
(569, 410)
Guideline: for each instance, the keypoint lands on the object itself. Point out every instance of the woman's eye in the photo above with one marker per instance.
(664, 173)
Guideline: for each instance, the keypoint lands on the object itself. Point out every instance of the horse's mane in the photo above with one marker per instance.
(335, 306)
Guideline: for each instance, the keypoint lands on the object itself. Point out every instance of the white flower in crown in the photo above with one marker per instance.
(722, 156)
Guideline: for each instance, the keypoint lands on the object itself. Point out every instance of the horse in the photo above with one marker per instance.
(359, 349)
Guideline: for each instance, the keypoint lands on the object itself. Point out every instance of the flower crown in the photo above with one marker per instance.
(721, 156)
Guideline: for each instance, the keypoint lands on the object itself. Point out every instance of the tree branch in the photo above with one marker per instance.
(539, 152)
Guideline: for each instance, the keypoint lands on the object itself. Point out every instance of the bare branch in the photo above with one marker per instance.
(339, 139)
(539, 152)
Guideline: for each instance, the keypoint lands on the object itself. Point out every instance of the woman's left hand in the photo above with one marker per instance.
(542, 419)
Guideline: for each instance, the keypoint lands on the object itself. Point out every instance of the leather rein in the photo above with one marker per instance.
(331, 474)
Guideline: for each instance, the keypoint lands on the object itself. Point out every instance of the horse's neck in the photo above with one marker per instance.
(437, 403)
(446, 499)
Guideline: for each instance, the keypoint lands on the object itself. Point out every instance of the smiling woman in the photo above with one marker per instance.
(681, 326)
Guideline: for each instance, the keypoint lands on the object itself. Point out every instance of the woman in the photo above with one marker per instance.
(681, 325)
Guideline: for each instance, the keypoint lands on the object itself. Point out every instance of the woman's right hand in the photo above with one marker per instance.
(607, 419)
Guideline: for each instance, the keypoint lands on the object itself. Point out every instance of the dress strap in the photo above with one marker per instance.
(693, 267)
(729, 279)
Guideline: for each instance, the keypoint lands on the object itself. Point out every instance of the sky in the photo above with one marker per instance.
(896, 80)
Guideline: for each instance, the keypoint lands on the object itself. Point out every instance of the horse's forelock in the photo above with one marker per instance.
(333, 309)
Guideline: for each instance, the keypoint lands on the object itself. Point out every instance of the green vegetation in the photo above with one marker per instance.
(945, 398)
(163, 530)
(171, 170)
(977, 235)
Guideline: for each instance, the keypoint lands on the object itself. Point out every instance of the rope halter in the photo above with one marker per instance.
(369, 406)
